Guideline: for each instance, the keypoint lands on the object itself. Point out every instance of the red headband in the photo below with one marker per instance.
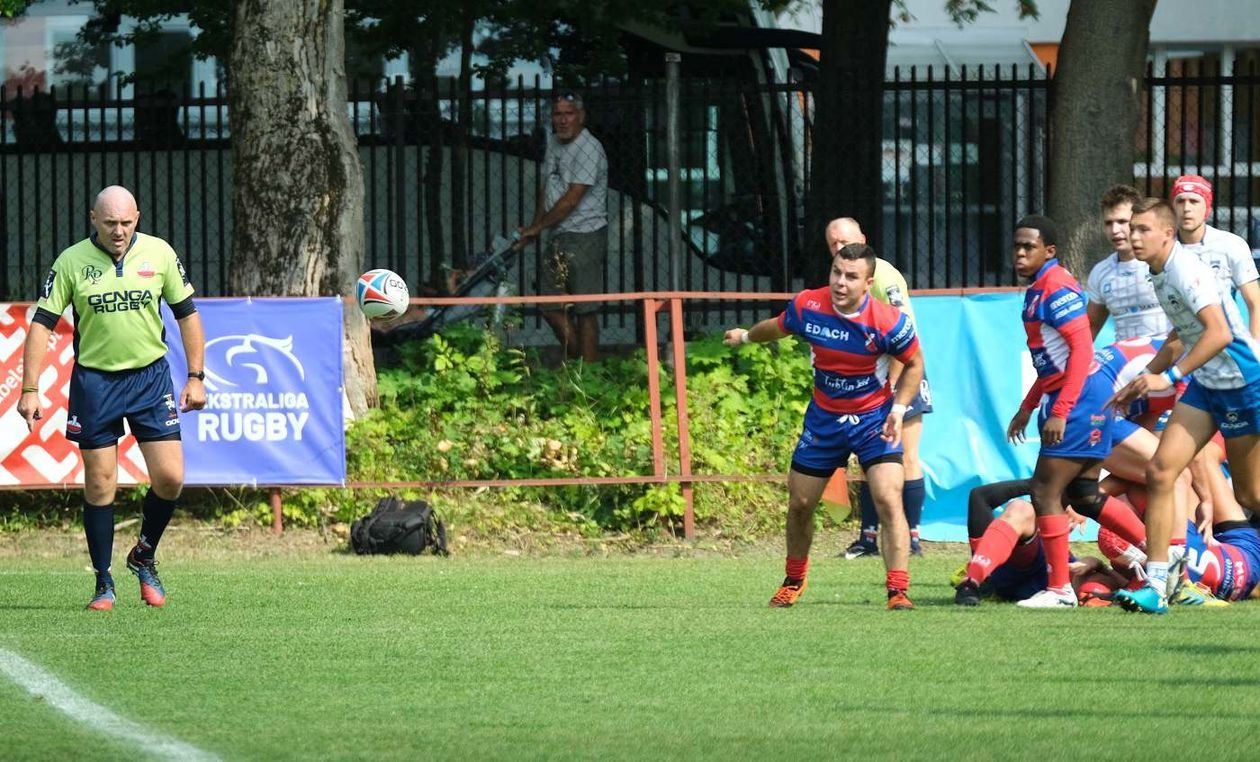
(1195, 184)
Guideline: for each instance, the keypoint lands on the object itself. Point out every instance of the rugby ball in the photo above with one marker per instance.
(382, 294)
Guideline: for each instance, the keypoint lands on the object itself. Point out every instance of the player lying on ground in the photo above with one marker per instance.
(1008, 559)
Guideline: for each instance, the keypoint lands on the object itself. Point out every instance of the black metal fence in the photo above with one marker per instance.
(964, 156)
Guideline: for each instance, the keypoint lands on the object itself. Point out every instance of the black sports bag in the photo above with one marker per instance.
(399, 526)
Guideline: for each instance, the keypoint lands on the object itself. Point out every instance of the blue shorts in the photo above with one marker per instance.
(1236, 411)
(1014, 583)
(1088, 430)
(1122, 429)
(1245, 545)
(922, 402)
(829, 438)
(100, 400)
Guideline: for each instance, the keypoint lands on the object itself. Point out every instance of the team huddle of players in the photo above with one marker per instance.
(1170, 411)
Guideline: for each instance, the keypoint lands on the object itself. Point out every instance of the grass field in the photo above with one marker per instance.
(322, 655)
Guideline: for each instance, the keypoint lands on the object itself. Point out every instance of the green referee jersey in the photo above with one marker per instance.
(890, 287)
(117, 322)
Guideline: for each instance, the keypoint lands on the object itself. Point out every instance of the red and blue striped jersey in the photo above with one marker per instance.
(1059, 338)
(1124, 361)
(850, 353)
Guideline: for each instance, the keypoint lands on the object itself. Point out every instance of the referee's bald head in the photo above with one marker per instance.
(114, 197)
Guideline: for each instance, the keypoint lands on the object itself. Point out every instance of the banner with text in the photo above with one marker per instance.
(274, 392)
(274, 389)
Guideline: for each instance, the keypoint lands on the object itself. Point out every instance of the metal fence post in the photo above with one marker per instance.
(673, 151)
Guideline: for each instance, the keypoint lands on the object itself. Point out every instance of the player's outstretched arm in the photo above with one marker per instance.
(193, 336)
(32, 362)
(766, 330)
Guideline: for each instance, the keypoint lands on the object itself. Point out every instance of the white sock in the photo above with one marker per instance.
(1134, 555)
(1157, 575)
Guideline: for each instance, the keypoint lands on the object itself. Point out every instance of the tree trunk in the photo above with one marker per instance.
(846, 175)
(1094, 119)
(298, 200)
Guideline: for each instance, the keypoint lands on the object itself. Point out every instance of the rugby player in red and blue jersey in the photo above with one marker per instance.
(852, 339)
(1075, 426)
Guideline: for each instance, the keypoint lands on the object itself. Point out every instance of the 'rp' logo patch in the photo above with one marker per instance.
(92, 273)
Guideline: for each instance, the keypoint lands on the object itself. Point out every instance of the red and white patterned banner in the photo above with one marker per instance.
(44, 456)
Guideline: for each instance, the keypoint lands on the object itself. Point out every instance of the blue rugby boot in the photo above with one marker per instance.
(103, 598)
(145, 569)
(1147, 600)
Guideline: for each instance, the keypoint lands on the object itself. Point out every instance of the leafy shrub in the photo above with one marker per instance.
(463, 406)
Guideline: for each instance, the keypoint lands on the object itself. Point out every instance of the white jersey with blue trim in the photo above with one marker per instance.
(1124, 288)
(1228, 255)
(1185, 287)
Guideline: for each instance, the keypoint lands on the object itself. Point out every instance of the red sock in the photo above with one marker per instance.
(1111, 544)
(1117, 517)
(992, 550)
(796, 567)
(1054, 537)
(897, 580)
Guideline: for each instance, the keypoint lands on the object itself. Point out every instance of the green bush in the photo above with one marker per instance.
(462, 406)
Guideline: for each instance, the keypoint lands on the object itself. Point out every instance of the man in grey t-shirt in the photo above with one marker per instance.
(572, 205)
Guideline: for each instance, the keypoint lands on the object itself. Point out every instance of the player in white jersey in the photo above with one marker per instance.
(1228, 255)
(1224, 393)
(1120, 285)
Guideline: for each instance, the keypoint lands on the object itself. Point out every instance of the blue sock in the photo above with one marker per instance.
(912, 496)
(157, 514)
(98, 527)
(870, 517)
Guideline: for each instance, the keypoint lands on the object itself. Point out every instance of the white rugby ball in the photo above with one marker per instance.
(382, 294)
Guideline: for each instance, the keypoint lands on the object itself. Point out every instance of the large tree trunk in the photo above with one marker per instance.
(846, 177)
(298, 199)
(1094, 119)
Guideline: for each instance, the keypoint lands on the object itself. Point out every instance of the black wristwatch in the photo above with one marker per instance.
(200, 375)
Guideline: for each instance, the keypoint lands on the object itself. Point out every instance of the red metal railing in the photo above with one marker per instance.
(653, 303)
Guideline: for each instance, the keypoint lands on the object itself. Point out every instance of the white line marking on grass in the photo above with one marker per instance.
(43, 685)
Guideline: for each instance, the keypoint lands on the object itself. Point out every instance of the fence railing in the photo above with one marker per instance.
(965, 151)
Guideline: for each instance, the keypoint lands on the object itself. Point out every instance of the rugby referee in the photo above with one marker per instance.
(115, 281)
